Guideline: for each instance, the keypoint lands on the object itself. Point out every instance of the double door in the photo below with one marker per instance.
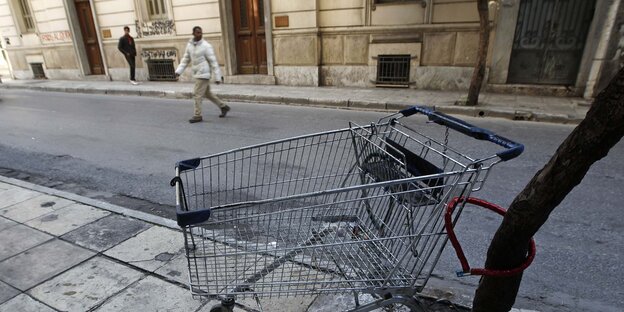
(251, 52)
(549, 41)
(89, 36)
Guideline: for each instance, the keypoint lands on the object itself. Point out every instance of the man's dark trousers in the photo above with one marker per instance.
(132, 63)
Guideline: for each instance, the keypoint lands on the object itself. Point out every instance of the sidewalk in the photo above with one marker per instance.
(516, 107)
(64, 252)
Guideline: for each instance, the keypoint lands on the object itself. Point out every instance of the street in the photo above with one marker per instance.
(123, 150)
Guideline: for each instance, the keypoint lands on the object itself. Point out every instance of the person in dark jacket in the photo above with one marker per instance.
(127, 47)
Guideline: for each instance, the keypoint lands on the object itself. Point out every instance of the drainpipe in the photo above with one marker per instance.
(99, 37)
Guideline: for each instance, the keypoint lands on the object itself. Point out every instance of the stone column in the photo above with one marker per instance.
(604, 38)
(503, 42)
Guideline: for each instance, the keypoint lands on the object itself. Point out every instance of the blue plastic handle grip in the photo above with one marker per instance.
(513, 149)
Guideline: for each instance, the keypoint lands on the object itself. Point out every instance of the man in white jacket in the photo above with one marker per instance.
(203, 61)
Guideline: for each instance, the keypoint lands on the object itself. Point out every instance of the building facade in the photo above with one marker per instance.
(427, 44)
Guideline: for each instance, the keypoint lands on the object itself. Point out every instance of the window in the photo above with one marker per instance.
(27, 22)
(156, 9)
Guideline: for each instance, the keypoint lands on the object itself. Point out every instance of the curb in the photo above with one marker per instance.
(171, 224)
(478, 111)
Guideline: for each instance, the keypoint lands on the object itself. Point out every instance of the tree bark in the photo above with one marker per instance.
(590, 141)
(484, 40)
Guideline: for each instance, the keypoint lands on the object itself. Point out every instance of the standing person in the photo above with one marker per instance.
(203, 61)
(127, 47)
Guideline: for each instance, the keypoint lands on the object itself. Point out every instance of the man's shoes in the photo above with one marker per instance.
(134, 82)
(224, 111)
(196, 119)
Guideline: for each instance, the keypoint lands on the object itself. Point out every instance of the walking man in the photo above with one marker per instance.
(127, 47)
(203, 62)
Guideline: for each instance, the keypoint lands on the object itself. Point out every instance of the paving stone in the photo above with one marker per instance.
(106, 232)
(152, 294)
(24, 303)
(15, 195)
(175, 270)
(20, 238)
(38, 264)
(34, 207)
(338, 302)
(151, 249)
(6, 223)
(5, 186)
(7, 292)
(86, 285)
(67, 219)
(212, 272)
(285, 304)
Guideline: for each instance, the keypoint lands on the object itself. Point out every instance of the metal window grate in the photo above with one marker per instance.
(37, 69)
(393, 70)
(161, 70)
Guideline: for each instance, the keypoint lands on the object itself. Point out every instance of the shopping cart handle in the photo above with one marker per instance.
(513, 149)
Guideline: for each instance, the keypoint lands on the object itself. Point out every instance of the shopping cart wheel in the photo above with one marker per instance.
(226, 305)
(221, 308)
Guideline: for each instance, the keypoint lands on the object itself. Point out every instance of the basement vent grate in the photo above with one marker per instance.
(161, 70)
(37, 69)
(393, 70)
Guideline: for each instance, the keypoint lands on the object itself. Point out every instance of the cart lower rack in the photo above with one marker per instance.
(352, 210)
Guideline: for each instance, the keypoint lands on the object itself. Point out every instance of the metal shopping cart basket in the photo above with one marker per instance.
(354, 210)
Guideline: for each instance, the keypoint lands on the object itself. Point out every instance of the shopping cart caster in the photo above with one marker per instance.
(226, 305)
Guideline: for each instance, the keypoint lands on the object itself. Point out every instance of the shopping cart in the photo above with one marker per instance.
(354, 210)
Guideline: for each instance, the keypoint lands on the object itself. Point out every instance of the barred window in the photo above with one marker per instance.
(156, 9)
(27, 20)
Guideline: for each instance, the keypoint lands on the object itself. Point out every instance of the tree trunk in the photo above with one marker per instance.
(484, 40)
(592, 139)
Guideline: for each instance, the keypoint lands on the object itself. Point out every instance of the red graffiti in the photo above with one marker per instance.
(56, 36)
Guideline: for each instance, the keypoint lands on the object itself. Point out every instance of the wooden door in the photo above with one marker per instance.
(250, 36)
(89, 36)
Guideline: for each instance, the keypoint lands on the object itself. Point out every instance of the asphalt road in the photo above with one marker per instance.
(123, 150)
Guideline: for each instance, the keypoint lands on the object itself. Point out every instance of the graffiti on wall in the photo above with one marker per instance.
(58, 36)
(159, 54)
(155, 28)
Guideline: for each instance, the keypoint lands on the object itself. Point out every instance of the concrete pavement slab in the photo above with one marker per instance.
(15, 195)
(151, 294)
(7, 292)
(86, 285)
(38, 264)
(24, 303)
(106, 232)
(226, 268)
(286, 273)
(175, 270)
(286, 304)
(20, 238)
(5, 186)
(34, 207)
(338, 302)
(67, 219)
(150, 249)
(6, 223)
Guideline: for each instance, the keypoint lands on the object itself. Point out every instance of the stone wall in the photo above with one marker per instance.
(172, 49)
